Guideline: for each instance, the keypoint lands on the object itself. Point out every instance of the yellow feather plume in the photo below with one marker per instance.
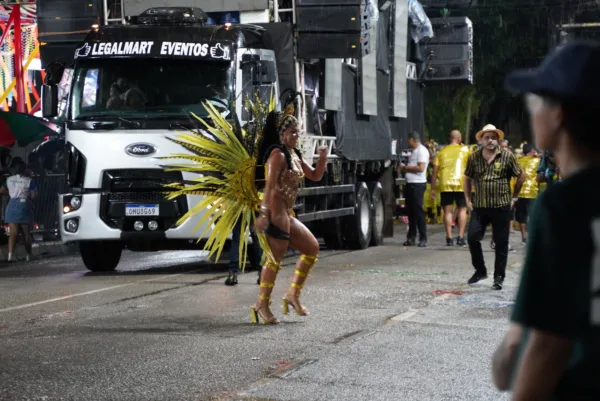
(229, 189)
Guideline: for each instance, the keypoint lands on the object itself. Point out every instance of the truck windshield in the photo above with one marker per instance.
(149, 88)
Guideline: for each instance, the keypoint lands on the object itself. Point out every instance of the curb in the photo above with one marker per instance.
(41, 249)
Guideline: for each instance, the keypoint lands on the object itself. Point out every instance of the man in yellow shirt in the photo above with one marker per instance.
(529, 163)
(449, 167)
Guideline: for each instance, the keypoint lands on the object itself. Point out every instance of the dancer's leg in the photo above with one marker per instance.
(268, 276)
(304, 242)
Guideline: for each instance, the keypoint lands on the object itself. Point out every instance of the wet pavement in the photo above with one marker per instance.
(386, 323)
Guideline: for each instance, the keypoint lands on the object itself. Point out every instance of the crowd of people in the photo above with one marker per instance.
(489, 183)
(552, 348)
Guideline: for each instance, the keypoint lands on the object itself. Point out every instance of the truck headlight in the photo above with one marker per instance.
(72, 225)
(75, 202)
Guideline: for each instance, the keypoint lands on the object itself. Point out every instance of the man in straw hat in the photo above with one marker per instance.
(491, 169)
(552, 349)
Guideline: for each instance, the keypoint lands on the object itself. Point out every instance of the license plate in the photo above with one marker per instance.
(141, 210)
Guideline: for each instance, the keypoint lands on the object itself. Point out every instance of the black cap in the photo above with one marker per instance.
(571, 71)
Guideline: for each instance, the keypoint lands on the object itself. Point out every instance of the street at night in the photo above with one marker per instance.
(387, 322)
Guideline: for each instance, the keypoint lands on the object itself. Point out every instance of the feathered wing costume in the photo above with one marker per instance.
(225, 159)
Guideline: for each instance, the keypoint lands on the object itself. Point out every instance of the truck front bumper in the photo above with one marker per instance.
(90, 221)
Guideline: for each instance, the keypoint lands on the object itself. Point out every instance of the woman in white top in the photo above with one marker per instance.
(21, 189)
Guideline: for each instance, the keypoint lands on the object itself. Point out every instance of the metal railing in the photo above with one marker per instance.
(109, 9)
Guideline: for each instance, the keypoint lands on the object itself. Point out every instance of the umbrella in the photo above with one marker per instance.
(22, 128)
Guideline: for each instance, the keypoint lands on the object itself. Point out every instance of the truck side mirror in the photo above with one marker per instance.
(263, 71)
(49, 101)
(266, 73)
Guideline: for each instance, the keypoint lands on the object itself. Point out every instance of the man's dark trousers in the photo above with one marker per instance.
(413, 195)
(254, 250)
(499, 218)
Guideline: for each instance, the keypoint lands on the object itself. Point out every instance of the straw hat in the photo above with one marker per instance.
(490, 128)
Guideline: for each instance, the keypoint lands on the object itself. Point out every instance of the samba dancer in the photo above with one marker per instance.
(284, 170)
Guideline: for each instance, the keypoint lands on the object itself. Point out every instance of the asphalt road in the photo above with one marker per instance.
(386, 323)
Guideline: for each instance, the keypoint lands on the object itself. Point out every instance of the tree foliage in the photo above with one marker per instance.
(508, 34)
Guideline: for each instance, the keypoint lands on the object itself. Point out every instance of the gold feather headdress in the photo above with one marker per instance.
(287, 117)
(225, 168)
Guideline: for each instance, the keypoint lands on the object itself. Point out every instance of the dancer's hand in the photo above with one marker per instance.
(323, 151)
(261, 224)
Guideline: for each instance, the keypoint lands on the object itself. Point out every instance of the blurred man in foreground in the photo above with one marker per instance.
(552, 349)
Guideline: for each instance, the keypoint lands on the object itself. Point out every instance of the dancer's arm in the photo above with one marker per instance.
(275, 166)
(315, 174)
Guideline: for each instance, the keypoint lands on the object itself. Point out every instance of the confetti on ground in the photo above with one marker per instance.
(442, 292)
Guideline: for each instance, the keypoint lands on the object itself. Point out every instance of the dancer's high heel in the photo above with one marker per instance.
(294, 301)
(263, 312)
(292, 298)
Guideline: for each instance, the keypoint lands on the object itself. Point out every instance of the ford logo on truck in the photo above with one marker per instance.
(140, 149)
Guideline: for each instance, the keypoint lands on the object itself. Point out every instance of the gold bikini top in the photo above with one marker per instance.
(289, 182)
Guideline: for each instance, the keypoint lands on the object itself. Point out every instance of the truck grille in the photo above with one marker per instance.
(143, 180)
(136, 197)
(140, 186)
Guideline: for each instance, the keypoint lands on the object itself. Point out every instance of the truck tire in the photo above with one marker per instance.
(100, 256)
(378, 213)
(333, 233)
(358, 228)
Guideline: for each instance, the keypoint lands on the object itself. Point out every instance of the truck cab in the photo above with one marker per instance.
(133, 87)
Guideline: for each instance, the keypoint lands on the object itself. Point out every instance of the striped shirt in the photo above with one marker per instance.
(492, 180)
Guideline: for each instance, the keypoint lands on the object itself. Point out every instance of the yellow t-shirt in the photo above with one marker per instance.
(452, 161)
(530, 187)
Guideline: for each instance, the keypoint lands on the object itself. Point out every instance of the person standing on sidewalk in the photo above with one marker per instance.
(529, 163)
(414, 190)
(449, 167)
(552, 348)
(254, 253)
(491, 169)
(22, 190)
(548, 171)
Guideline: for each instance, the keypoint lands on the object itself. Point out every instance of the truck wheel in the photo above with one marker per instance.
(359, 227)
(378, 214)
(101, 256)
(332, 234)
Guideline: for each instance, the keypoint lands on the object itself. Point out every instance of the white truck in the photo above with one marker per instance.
(136, 78)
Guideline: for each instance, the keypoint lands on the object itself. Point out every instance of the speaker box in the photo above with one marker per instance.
(61, 52)
(333, 45)
(330, 2)
(451, 72)
(451, 30)
(446, 52)
(333, 19)
(67, 8)
(51, 30)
